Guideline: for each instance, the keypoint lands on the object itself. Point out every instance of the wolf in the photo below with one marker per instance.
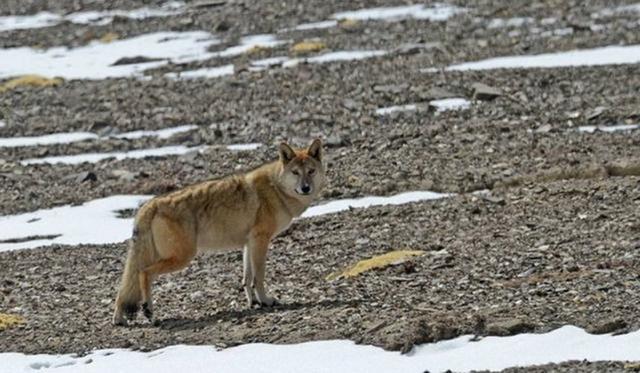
(239, 211)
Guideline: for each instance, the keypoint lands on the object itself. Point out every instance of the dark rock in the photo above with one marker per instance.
(135, 60)
(81, 177)
(436, 93)
(484, 92)
(390, 88)
(608, 326)
(508, 327)
(414, 48)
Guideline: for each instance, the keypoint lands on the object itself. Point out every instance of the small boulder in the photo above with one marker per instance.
(485, 92)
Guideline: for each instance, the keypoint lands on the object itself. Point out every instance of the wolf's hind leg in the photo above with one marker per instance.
(176, 248)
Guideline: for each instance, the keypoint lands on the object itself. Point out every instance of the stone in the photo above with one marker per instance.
(484, 92)
(508, 327)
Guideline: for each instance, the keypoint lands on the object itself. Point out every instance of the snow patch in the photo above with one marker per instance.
(315, 25)
(164, 133)
(2, 123)
(583, 57)
(94, 222)
(458, 354)
(46, 19)
(450, 104)
(348, 204)
(206, 72)
(248, 43)
(97, 157)
(616, 128)
(244, 147)
(392, 109)
(71, 137)
(95, 60)
(43, 19)
(440, 106)
(54, 138)
(435, 12)
(510, 22)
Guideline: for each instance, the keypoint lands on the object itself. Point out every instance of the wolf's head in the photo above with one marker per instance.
(302, 170)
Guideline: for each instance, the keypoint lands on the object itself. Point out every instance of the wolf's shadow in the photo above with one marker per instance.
(177, 324)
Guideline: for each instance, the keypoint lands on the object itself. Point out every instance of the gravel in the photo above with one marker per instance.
(554, 240)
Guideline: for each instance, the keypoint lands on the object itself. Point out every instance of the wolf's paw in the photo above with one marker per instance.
(119, 320)
(147, 309)
(130, 310)
(267, 301)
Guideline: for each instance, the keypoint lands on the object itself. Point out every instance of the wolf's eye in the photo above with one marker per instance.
(312, 171)
(296, 172)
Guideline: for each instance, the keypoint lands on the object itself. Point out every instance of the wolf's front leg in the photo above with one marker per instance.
(247, 280)
(258, 247)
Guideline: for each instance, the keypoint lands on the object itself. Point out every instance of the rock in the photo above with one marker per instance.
(596, 112)
(608, 326)
(223, 26)
(350, 104)
(134, 60)
(208, 3)
(484, 92)
(124, 175)
(436, 93)
(334, 141)
(82, 177)
(390, 88)
(543, 129)
(508, 327)
(414, 48)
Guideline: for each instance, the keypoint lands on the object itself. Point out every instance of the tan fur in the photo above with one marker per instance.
(238, 211)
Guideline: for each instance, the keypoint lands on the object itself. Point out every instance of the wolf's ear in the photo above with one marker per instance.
(315, 149)
(286, 153)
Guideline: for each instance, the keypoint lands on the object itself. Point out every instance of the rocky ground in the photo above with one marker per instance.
(555, 241)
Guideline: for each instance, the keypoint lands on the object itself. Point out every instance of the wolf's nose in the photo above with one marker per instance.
(306, 189)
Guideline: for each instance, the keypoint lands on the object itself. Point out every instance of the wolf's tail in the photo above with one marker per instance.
(141, 254)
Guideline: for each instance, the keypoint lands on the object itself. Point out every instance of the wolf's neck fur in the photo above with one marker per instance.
(267, 178)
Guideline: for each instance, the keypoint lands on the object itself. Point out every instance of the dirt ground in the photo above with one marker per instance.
(554, 240)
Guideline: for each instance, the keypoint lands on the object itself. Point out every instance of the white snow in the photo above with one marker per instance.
(94, 61)
(392, 109)
(316, 25)
(450, 104)
(335, 56)
(54, 138)
(45, 19)
(244, 147)
(458, 354)
(435, 12)
(106, 17)
(2, 123)
(91, 223)
(608, 12)
(247, 43)
(39, 20)
(345, 56)
(97, 157)
(70, 137)
(348, 204)
(267, 62)
(510, 22)
(164, 133)
(616, 128)
(440, 105)
(101, 226)
(206, 72)
(585, 57)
